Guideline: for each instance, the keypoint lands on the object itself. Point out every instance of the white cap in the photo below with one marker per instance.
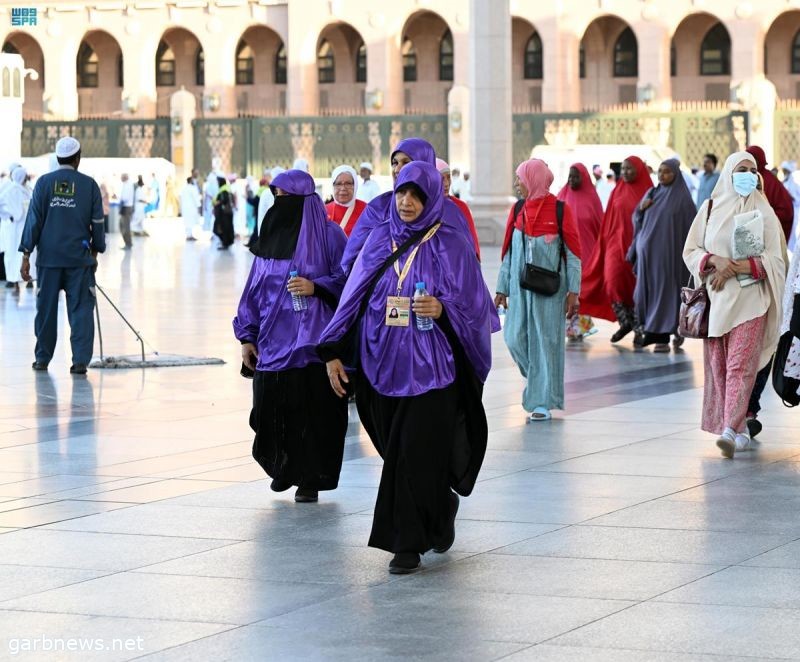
(66, 147)
(367, 165)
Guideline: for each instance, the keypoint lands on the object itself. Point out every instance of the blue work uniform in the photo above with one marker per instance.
(65, 222)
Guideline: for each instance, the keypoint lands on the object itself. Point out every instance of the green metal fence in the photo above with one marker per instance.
(248, 145)
(101, 138)
(787, 134)
(689, 133)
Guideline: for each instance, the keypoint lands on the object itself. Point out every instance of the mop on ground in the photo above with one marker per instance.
(152, 360)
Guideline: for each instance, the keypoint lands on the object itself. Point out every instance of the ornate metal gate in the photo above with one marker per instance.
(101, 138)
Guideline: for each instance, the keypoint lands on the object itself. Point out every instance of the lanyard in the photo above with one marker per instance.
(402, 275)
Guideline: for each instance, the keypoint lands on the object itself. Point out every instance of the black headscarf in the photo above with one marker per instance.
(280, 229)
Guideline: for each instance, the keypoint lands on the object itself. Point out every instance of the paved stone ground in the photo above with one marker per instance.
(130, 508)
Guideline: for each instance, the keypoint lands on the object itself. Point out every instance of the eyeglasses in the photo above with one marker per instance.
(343, 185)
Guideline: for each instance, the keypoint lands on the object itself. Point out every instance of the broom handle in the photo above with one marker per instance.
(124, 319)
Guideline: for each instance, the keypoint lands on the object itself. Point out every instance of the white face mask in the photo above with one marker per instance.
(744, 183)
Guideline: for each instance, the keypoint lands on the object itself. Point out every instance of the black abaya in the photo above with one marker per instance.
(300, 426)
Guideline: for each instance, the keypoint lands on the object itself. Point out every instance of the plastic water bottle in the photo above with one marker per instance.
(423, 323)
(298, 300)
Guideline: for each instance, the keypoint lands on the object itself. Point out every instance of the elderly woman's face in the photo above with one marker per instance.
(521, 188)
(343, 188)
(628, 171)
(446, 181)
(409, 206)
(666, 175)
(399, 159)
(574, 179)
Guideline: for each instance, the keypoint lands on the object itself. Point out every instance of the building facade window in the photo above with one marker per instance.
(165, 65)
(200, 67)
(8, 47)
(534, 58)
(626, 55)
(673, 60)
(120, 71)
(280, 66)
(88, 64)
(361, 63)
(715, 52)
(245, 64)
(409, 61)
(581, 62)
(796, 53)
(446, 56)
(326, 65)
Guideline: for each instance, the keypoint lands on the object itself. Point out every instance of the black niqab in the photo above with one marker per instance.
(280, 229)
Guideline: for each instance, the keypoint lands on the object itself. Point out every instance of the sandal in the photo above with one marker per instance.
(540, 414)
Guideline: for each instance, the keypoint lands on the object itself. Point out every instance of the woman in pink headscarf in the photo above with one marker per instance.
(541, 231)
(581, 197)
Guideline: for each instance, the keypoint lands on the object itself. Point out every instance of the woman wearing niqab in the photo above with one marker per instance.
(744, 319)
(661, 223)
(580, 195)
(534, 328)
(418, 392)
(608, 281)
(299, 424)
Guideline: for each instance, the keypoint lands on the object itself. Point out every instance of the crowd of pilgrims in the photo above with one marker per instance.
(385, 303)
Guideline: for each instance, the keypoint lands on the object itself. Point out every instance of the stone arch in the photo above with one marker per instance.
(527, 65)
(425, 31)
(99, 59)
(33, 56)
(689, 83)
(265, 94)
(782, 54)
(345, 92)
(608, 63)
(179, 46)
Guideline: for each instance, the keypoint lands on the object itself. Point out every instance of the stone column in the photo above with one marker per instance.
(458, 101)
(655, 83)
(60, 75)
(183, 109)
(561, 90)
(302, 89)
(385, 77)
(139, 94)
(751, 90)
(490, 116)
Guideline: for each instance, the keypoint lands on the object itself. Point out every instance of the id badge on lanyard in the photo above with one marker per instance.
(398, 308)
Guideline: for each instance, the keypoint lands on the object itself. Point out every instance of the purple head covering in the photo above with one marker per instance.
(295, 236)
(425, 178)
(379, 210)
(418, 149)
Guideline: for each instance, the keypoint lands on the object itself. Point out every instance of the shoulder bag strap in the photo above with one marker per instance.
(518, 205)
(560, 220)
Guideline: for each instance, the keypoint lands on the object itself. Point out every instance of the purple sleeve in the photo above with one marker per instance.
(333, 283)
(374, 214)
(247, 322)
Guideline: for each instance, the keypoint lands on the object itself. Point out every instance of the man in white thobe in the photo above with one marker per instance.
(368, 189)
(190, 208)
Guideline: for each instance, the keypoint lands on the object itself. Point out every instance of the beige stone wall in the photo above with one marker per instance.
(135, 28)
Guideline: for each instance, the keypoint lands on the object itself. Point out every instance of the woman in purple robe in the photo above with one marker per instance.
(418, 392)
(278, 341)
(661, 223)
(379, 210)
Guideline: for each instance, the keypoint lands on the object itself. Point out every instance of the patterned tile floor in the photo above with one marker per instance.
(133, 522)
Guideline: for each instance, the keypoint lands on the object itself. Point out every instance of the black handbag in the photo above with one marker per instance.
(538, 279)
(785, 387)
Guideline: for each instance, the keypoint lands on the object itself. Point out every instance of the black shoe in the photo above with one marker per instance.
(621, 333)
(78, 369)
(441, 546)
(29, 286)
(278, 485)
(304, 495)
(10, 285)
(39, 366)
(404, 563)
(754, 426)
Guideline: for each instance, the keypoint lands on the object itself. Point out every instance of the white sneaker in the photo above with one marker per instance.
(727, 443)
(744, 442)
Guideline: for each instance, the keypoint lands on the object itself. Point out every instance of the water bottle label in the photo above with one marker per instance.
(398, 311)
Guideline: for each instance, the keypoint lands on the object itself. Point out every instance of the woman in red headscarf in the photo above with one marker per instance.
(608, 281)
(778, 197)
(534, 328)
(581, 197)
